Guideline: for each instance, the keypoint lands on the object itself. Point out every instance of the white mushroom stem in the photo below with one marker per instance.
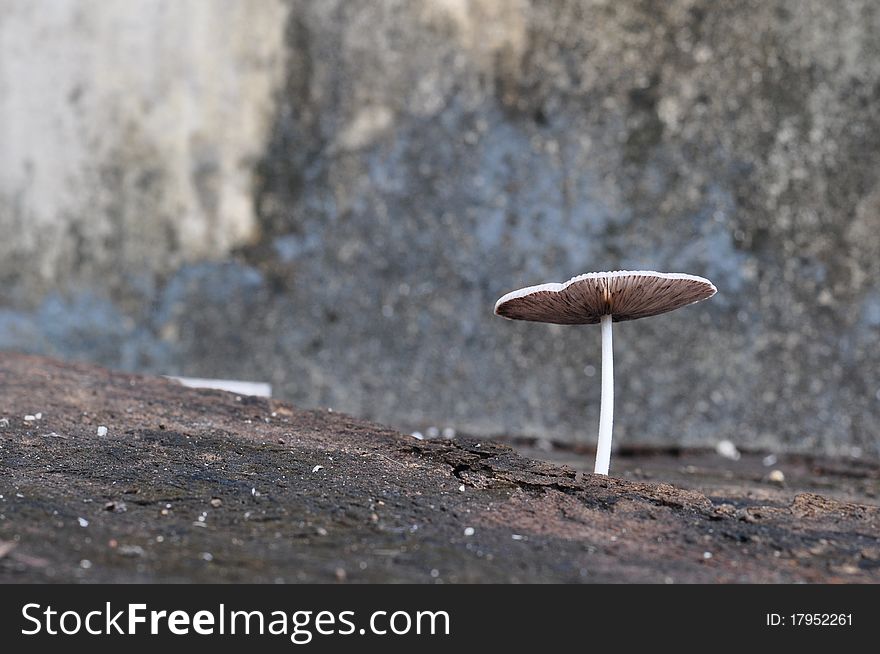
(606, 411)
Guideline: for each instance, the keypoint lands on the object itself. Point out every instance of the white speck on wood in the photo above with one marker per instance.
(728, 450)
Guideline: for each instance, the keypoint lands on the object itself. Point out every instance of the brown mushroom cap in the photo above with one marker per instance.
(625, 294)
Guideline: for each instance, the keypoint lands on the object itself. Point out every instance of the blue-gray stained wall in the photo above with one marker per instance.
(330, 196)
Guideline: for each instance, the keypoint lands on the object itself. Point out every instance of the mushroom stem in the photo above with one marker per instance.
(606, 411)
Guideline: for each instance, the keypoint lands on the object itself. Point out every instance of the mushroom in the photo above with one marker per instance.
(605, 297)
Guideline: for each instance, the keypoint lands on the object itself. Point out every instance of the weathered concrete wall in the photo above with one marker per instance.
(331, 195)
(129, 132)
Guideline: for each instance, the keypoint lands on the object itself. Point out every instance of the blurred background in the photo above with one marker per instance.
(330, 196)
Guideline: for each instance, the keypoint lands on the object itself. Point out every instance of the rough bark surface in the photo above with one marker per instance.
(199, 485)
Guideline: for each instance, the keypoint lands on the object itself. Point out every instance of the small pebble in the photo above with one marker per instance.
(776, 477)
(417, 435)
(468, 531)
(769, 460)
(131, 550)
(83, 522)
(461, 488)
(29, 418)
(4, 422)
(207, 556)
(102, 431)
(847, 569)
(85, 564)
(216, 502)
(316, 468)
(707, 555)
(728, 450)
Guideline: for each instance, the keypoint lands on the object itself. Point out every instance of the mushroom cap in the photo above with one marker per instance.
(624, 294)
